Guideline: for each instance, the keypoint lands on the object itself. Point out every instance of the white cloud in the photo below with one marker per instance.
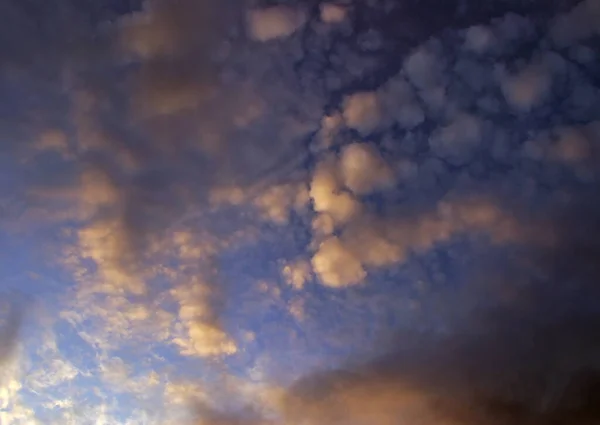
(370, 241)
(115, 370)
(336, 266)
(367, 241)
(572, 145)
(296, 309)
(274, 22)
(333, 13)
(276, 202)
(327, 196)
(363, 169)
(13, 409)
(330, 125)
(105, 321)
(363, 112)
(198, 334)
(297, 273)
(181, 393)
(104, 242)
(54, 371)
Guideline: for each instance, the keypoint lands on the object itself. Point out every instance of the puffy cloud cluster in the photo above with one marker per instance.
(373, 241)
(178, 137)
(274, 22)
(528, 356)
(579, 23)
(332, 13)
(202, 336)
(297, 273)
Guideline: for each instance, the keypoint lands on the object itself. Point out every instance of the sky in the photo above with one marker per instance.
(297, 212)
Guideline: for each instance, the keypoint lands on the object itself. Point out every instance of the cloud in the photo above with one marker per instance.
(363, 112)
(578, 24)
(479, 38)
(171, 139)
(423, 68)
(333, 13)
(277, 202)
(54, 141)
(335, 264)
(527, 88)
(372, 241)
(327, 196)
(12, 316)
(363, 170)
(458, 140)
(106, 321)
(518, 346)
(56, 371)
(571, 145)
(330, 126)
(105, 243)
(13, 409)
(274, 22)
(297, 273)
(201, 335)
(528, 358)
(401, 103)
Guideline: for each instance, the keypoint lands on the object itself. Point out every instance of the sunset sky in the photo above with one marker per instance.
(247, 212)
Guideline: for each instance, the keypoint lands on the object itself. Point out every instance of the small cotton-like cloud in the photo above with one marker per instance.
(297, 273)
(479, 39)
(326, 194)
(12, 363)
(276, 203)
(333, 13)
(423, 68)
(370, 241)
(363, 169)
(200, 334)
(53, 140)
(527, 88)
(570, 145)
(274, 22)
(401, 103)
(580, 23)
(330, 126)
(458, 140)
(336, 266)
(363, 112)
(55, 371)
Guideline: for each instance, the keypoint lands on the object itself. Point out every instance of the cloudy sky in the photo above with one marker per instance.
(247, 212)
